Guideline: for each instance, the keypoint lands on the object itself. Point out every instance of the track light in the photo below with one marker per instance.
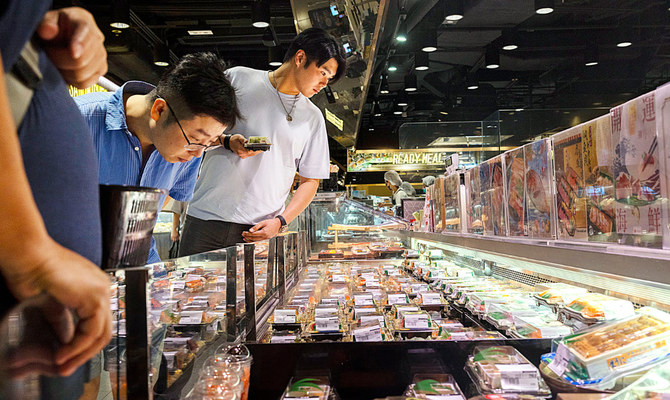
(543, 7)
(120, 14)
(410, 83)
(161, 54)
(591, 55)
(509, 39)
(453, 10)
(491, 57)
(421, 61)
(384, 89)
(275, 56)
(260, 14)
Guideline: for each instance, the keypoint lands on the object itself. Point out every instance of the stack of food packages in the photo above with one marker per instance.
(434, 386)
(188, 306)
(503, 370)
(603, 355)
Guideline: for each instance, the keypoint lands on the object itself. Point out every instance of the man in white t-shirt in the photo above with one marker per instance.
(240, 194)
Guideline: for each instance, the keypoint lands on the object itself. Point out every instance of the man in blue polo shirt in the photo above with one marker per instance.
(153, 136)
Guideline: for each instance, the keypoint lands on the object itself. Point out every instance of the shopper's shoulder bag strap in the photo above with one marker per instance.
(22, 81)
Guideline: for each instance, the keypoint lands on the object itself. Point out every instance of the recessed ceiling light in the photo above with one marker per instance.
(597, 103)
(444, 113)
(393, 68)
(275, 63)
(473, 87)
(493, 66)
(384, 91)
(519, 109)
(402, 103)
(161, 63)
(544, 7)
(200, 32)
(591, 64)
(410, 89)
(378, 115)
(429, 49)
(510, 47)
(397, 112)
(119, 25)
(625, 43)
(424, 68)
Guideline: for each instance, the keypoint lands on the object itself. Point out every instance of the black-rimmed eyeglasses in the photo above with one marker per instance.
(193, 146)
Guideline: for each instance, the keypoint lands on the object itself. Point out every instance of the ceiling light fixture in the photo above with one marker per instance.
(401, 35)
(402, 99)
(161, 54)
(509, 39)
(275, 56)
(591, 55)
(120, 14)
(392, 68)
(544, 7)
(453, 10)
(471, 81)
(421, 61)
(411, 83)
(260, 14)
(384, 88)
(429, 41)
(491, 57)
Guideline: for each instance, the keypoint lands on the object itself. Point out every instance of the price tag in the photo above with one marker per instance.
(325, 311)
(178, 284)
(170, 358)
(221, 279)
(372, 283)
(458, 335)
(360, 311)
(376, 294)
(369, 318)
(327, 324)
(190, 317)
(363, 300)
(191, 277)
(338, 279)
(419, 288)
(560, 362)
(397, 298)
(285, 316)
(369, 276)
(199, 303)
(368, 334)
(431, 298)
(283, 339)
(416, 321)
(522, 377)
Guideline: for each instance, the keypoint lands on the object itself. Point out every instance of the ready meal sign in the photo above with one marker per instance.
(373, 160)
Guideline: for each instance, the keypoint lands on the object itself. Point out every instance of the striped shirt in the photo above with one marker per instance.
(120, 153)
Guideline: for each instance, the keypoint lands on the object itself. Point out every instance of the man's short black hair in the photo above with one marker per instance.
(319, 47)
(198, 85)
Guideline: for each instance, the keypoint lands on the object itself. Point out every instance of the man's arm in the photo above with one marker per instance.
(301, 199)
(174, 234)
(32, 262)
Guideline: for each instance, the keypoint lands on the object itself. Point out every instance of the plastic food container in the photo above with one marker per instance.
(558, 294)
(317, 388)
(592, 308)
(435, 387)
(598, 353)
(502, 369)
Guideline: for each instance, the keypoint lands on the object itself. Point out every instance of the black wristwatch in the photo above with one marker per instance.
(226, 142)
(283, 227)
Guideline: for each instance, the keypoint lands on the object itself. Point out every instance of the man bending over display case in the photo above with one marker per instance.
(154, 136)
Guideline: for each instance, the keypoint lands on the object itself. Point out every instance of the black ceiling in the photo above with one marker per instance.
(547, 70)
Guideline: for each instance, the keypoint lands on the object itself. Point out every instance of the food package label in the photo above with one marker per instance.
(416, 321)
(363, 299)
(431, 298)
(368, 334)
(397, 298)
(190, 317)
(521, 377)
(327, 324)
(285, 316)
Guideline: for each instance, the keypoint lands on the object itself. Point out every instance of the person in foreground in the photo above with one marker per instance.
(50, 241)
(240, 194)
(153, 136)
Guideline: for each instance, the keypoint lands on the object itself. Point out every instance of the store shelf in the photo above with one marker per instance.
(651, 266)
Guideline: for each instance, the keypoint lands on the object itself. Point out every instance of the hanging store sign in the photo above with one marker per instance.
(400, 160)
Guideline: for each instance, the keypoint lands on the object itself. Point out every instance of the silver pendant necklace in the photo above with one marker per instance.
(289, 118)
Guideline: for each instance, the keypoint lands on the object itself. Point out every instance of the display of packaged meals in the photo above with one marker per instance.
(558, 294)
(600, 352)
(502, 369)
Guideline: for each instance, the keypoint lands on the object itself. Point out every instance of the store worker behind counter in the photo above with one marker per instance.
(154, 136)
(394, 184)
(50, 241)
(240, 195)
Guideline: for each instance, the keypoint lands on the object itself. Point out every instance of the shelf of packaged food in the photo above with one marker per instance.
(632, 263)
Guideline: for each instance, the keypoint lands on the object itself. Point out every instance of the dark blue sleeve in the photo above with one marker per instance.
(18, 22)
